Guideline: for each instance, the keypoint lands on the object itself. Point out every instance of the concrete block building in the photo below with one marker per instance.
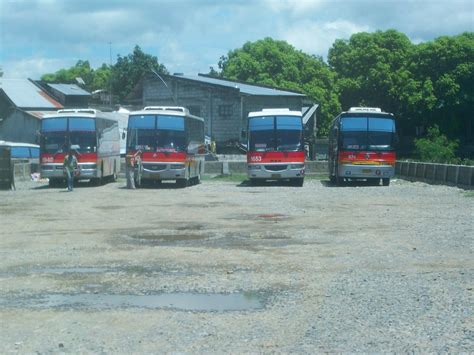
(224, 104)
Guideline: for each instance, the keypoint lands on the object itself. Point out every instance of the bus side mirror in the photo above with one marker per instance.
(123, 135)
(37, 137)
(396, 139)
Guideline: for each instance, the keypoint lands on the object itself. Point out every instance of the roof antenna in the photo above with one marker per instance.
(159, 77)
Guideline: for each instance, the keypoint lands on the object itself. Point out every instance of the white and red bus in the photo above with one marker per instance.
(170, 142)
(362, 146)
(275, 146)
(92, 135)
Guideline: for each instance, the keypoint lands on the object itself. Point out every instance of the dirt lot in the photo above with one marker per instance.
(225, 267)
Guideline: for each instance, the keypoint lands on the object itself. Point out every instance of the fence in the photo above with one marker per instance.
(448, 174)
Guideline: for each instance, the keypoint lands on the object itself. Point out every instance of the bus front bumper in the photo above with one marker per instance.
(56, 171)
(351, 171)
(275, 171)
(163, 171)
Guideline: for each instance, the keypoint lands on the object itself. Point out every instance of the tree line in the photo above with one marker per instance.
(424, 84)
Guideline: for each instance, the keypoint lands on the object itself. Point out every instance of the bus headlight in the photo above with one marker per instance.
(254, 167)
(177, 166)
(296, 166)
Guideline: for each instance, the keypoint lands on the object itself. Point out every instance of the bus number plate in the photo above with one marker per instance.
(276, 176)
(366, 171)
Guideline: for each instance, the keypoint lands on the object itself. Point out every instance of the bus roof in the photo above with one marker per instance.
(88, 113)
(166, 110)
(275, 112)
(365, 109)
(17, 144)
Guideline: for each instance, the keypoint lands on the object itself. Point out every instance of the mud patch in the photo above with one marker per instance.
(272, 216)
(265, 217)
(182, 235)
(198, 302)
(191, 226)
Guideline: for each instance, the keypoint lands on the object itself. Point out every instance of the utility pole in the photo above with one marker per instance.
(110, 76)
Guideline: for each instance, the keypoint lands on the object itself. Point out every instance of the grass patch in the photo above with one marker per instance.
(469, 194)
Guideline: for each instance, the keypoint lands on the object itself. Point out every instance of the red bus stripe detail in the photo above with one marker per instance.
(275, 157)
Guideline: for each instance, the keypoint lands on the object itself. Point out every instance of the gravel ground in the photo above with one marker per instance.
(225, 267)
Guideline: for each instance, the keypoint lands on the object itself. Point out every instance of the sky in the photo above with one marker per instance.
(189, 36)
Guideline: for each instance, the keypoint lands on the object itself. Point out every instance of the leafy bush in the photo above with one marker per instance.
(436, 147)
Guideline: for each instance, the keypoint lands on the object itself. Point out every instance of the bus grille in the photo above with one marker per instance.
(155, 167)
(276, 167)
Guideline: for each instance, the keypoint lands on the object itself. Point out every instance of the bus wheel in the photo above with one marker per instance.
(332, 179)
(297, 182)
(339, 180)
(386, 181)
(114, 175)
(181, 183)
(374, 182)
(254, 182)
(54, 182)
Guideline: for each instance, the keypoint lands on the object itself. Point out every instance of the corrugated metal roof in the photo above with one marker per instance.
(70, 89)
(24, 94)
(247, 89)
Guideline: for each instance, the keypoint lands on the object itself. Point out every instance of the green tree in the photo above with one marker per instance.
(436, 147)
(128, 71)
(372, 70)
(82, 70)
(278, 64)
(447, 63)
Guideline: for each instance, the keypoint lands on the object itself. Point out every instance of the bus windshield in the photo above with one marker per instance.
(54, 142)
(156, 133)
(83, 142)
(367, 133)
(280, 133)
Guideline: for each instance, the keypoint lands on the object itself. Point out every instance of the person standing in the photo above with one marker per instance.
(70, 167)
(131, 161)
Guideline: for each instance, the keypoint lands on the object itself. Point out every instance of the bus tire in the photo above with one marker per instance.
(374, 181)
(114, 175)
(54, 182)
(332, 179)
(386, 181)
(254, 182)
(182, 183)
(297, 182)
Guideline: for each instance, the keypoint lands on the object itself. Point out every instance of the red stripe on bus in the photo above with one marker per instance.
(275, 157)
(366, 157)
(163, 156)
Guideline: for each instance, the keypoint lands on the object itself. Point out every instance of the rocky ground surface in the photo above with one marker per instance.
(226, 267)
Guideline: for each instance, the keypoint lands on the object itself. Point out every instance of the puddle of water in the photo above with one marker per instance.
(179, 301)
(168, 237)
(73, 270)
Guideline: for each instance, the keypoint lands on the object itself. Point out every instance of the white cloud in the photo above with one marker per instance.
(295, 7)
(34, 68)
(318, 37)
(186, 35)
